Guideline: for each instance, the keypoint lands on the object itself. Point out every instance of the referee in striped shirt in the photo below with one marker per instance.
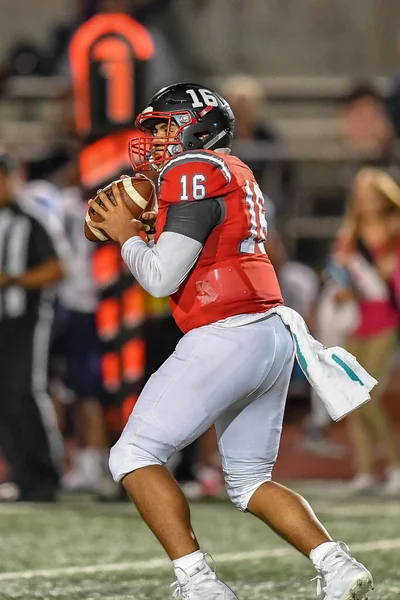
(29, 266)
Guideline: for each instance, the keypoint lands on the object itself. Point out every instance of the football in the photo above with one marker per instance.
(139, 196)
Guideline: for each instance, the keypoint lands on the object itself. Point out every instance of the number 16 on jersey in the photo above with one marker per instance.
(255, 208)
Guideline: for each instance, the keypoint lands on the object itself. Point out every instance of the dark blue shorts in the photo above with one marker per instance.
(77, 342)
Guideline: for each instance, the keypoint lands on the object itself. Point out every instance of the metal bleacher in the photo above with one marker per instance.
(304, 54)
(303, 109)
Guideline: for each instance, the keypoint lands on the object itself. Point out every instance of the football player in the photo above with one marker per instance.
(233, 365)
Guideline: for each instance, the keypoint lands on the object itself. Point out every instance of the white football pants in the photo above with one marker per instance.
(235, 377)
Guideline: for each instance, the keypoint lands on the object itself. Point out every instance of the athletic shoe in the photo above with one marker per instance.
(324, 447)
(9, 492)
(209, 483)
(44, 492)
(342, 577)
(392, 485)
(363, 485)
(87, 472)
(201, 583)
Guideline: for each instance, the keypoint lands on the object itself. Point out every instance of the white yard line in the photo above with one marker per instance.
(153, 564)
(347, 510)
(358, 510)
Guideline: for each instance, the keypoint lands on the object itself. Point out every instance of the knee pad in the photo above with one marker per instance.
(243, 479)
(125, 458)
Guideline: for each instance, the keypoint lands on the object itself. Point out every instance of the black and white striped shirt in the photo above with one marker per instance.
(24, 244)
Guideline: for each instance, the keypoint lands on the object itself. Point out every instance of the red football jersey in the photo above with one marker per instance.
(233, 274)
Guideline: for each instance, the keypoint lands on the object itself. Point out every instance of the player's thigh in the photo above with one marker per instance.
(249, 433)
(211, 369)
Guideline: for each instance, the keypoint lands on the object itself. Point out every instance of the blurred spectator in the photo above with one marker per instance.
(300, 286)
(79, 345)
(117, 51)
(366, 270)
(393, 100)
(365, 124)
(25, 58)
(29, 268)
(330, 325)
(75, 374)
(75, 343)
(39, 194)
(164, 67)
(393, 104)
(274, 246)
(246, 98)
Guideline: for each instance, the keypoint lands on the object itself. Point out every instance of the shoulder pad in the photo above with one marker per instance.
(198, 156)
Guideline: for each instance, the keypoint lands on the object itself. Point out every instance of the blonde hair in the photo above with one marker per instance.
(385, 185)
(242, 86)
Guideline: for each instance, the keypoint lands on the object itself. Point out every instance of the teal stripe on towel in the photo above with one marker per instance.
(346, 368)
(300, 357)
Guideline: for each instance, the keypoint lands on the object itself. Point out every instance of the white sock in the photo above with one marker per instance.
(319, 552)
(91, 463)
(184, 565)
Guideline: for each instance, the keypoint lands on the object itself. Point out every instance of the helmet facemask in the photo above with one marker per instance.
(152, 152)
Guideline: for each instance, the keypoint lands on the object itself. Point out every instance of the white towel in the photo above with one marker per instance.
(340, 381)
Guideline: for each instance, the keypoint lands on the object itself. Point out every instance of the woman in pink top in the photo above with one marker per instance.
(367, 264)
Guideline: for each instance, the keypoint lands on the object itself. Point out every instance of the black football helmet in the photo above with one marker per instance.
(204, 119)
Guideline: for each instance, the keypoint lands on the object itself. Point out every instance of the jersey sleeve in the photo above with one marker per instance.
(195, 220)
(194, 176)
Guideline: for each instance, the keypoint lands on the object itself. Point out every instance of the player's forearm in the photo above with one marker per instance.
(47, 273)
(161, 269)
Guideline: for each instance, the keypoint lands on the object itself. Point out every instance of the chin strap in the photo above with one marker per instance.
(209, 145)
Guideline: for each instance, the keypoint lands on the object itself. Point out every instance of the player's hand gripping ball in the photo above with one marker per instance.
(138, 195)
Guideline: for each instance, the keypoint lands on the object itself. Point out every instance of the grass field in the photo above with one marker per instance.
(80, 550)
